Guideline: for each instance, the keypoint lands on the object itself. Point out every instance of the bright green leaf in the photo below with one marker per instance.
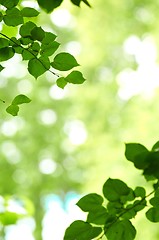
(6, 53)
(121, 230)
(113, 189)
(64, 62)
(75, 77)
(90, 202)
(80, 230)
(49, 37)
(1, 16)
(13, 17)
(13, 110)
(20, 99)
(61, 82)
(153, 214)
(8, 218)
(29, 12)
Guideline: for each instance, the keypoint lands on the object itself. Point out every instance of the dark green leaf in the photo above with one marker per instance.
(16, 45)
(129, 197)
(50, 48)
(90, 202)
(77, 2)
(29, 12)
(26, 28)
(1, 67)
(129, 212)
(155, 147)
(61, 82)
(1, 16)
(121, 230)
(64, 62)
(9, 3)
(49, 5)
(133, 149)
(13, 17)
(25, 40)
(49, 37)
(80, 230)
(6, 53)
(99, 216)
(4, 42)
(75, 77)
(36, 68)
(13, 110)
(37, 33)
(154, 201)
(153, 214)
(114, 207)
(20, 99)
(113, 189)
(138, 205)
(140, 192)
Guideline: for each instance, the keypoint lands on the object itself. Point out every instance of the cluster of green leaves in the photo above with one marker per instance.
(35, 46)
(49, 6)
(110, 215)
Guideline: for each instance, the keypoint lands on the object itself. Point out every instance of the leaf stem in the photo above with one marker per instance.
(27, 49)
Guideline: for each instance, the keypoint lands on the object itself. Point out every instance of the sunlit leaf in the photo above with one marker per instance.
(75, 77)
(13, 110)
(8, 3)
(64, 62)
(61, 82)
(20, 99)
(98, 216)
(36, 68)
(133, 149)
(26, 28)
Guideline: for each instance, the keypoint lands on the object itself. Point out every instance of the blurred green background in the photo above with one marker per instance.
(66, 143)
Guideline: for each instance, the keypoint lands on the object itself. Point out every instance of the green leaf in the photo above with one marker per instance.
(155, 201)
(4, 43)
(27, 55)
(37, 33)
(8, 218)
(99, 216)
(36, 68)
(80, 230)
(155, 147)
(121, 230)
(13, 110)
(26, 28)
(140, 192)
(1, 67)
(45, 61)
(133, 149)
(25, 40)
(1, 16)
(138, 205)
(49, 37)
(90, 202)
(16, 44)
(153, 214)
(29, 12)
(6, 53)
(114, 207)
(48, 5)
(113, 189)
(75, 77)
(77, 2)
(8, 3)
(61, 82)
(64, 62)
(49, 49)
(13, 17)
(20, 99)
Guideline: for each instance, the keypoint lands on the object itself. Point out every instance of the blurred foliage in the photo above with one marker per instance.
(47, 130)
